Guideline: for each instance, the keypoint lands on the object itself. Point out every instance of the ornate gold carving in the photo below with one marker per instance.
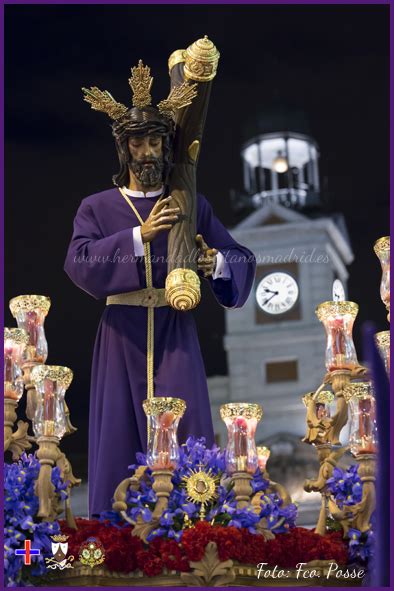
(180, 96)
(159, 404)
(17, 335)
(141, 84)
(201, 61)
(210, 570)
(327, 309)
(183, 289)
(382, 245)
(360, 390)
(177, 57)
(63, 375)
(29, 303)
(328, 460)
(245, 575)
(244, 409)
(132, 483)
(383, 339)
(19, 441)
(193, 150)
(102, 100)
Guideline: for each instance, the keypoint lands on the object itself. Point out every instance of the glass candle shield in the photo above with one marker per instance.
(263, 454)
(338, 318)
(164, 414)
(383, 343)
(363, 429)
(241, 419)
(15, 341)
(382, 251)
(51, 383)
(30, 312)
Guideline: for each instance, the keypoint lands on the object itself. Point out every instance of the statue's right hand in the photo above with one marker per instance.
(160, 218)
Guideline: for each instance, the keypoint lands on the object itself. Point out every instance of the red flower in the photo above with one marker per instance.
(127, 553)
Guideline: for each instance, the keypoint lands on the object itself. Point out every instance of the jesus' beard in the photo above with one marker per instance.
(148, 176)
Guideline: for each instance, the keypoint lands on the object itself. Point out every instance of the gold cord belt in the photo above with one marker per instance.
(149, 286)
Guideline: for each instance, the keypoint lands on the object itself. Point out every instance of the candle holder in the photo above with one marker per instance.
(338, 318)
(323, 430)
(49, 424)
(363, 445)
(363, 429)
(15, 341)
(382, 340)
(382, 251)
(241, 419)
(164, 414)
(30, 312)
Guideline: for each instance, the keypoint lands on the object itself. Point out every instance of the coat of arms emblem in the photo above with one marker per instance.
(59, 559)
(91, 552)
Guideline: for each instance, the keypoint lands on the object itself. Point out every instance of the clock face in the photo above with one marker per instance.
(338, 291)
(277, 293)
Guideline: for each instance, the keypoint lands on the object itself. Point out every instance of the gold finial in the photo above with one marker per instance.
(141, 83)
(179, 97)
(201, 60)
(102, 100)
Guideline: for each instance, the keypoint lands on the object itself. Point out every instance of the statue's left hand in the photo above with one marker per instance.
(206, 261)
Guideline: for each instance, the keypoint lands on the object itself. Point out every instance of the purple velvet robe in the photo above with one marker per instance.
(101, 261)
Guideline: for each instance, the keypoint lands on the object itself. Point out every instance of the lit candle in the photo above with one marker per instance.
(241, 419)
(338, 318)
(164, 414)
(15, 340)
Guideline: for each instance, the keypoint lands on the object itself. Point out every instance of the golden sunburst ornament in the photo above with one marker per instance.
(201, 487)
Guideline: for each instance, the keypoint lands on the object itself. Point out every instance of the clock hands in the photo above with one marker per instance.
(270, 291)
(274, 293)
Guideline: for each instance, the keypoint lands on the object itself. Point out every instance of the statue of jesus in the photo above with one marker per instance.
(107, 258)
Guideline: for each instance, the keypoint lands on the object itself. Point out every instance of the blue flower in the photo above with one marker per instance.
(20, 510)
(345, 486)
(361, 545)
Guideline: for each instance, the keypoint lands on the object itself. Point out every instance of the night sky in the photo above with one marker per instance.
(322, 70)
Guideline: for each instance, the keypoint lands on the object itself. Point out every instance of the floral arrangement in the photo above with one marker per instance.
(346, 488)
(126, 553)
(20, 509)
(221, 510)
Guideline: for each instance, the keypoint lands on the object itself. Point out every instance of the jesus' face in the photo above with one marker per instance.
(147, 159)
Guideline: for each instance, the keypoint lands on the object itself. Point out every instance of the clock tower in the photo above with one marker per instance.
(275, 344)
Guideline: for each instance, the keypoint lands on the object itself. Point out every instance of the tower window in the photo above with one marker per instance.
(281, 371)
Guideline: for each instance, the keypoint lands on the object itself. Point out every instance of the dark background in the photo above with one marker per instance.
(322, 70)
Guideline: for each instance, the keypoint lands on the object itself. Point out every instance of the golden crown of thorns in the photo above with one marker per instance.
(141, 84)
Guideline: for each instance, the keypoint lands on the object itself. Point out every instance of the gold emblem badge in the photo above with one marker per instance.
(91, 553)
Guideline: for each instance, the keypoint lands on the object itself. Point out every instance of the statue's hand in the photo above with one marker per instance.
(206, 261)
(160, 218)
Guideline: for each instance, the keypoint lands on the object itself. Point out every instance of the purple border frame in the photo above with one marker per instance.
(217, 2)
